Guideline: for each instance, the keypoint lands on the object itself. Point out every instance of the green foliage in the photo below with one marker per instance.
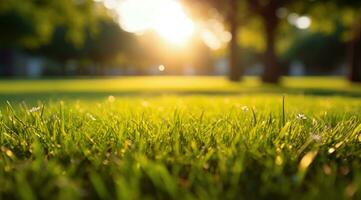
(31, 23)
(108, 42)
(310, 48)
(179, 146)
(100, 46)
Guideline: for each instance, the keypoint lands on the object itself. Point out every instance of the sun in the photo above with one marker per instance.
(166, 17)
(172, 23)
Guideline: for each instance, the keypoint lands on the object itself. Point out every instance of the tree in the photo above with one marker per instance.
(348, 13)
(266, 10)
(354, 54)
(231, 10)
(30, 24)
(108, 42)
(235, 12)
(309, 48)
(355, 39)
(100, 47)
(234, 62)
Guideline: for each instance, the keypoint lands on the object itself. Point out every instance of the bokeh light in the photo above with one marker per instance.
(169, 19)
(214, 34)
(303, 22)
(161, 68)
(166, 17)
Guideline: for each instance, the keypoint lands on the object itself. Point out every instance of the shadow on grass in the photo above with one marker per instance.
(94, 95)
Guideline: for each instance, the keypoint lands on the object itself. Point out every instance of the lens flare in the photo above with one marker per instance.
(166, 17)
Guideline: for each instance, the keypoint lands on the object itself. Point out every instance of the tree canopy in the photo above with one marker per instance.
(31, 23)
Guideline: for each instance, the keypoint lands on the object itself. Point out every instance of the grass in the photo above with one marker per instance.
(180, 138)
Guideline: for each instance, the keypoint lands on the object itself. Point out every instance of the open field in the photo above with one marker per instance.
(180, 138)
(135, 86)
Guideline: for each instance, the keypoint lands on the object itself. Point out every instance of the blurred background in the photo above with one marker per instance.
(266, 38)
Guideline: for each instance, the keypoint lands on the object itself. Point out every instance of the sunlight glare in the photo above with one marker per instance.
(303, 22)
(214, 34)
(169, 20)
(110, 3)
(166, 17)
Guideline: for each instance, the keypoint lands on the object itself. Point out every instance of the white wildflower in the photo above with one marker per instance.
(245, 108)
(316, 137)
(111, 98)
(301, 116)
(91, 116)
(34, 109)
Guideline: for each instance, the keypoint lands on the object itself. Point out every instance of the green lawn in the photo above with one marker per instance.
(180, 138)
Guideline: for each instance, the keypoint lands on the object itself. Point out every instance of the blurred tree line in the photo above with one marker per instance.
(334, 34)
(59, 30)
(83, 30)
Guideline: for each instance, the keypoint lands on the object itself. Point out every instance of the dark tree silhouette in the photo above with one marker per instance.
(230, 9)
(266, 10)
(31, 23)
(355, 53)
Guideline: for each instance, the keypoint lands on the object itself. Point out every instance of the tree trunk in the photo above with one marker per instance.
(355, 55)
(235, 71)
(271, 73)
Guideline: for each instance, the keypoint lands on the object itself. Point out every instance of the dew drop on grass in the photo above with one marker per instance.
(327, 169)
(338, 145)
(9, 153)
(279, 160)
(331, 150)
(307, 160)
